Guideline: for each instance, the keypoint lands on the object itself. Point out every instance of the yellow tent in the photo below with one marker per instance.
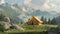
(34, 21)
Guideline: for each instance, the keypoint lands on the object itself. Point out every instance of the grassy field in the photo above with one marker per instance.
(30, 29)
(38, 27)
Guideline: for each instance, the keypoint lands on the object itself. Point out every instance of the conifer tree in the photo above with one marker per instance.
(53, 21)
(49, 21)
(44, 19)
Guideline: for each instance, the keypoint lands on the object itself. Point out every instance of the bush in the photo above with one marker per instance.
(2, 28)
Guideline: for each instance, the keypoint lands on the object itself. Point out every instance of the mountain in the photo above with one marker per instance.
(40, 13)
(21, 12)
(9, 12)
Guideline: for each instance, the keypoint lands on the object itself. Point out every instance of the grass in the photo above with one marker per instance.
(38, 27)
(31, 29)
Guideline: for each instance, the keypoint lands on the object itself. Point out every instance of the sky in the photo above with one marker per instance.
(15, 1)
(38, 4)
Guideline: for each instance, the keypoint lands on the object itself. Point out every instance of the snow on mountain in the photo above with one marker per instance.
(24, 12)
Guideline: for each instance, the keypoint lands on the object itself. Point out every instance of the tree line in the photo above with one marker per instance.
(44, 19)
(48, 20)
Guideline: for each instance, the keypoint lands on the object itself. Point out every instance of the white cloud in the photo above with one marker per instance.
(27, 1)
(37, 3)
(44, 4)
(2, 1)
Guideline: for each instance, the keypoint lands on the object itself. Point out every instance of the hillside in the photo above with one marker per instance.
(9, 12)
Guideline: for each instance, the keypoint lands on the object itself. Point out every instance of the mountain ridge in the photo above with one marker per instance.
(24, 12)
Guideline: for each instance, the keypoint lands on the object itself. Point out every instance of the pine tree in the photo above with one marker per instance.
(49, 21)
(45, 20)
(53, 21)
(42, 18)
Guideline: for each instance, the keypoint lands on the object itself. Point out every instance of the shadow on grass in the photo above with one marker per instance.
(29, 33)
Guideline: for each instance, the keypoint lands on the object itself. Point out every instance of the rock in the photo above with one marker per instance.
(6, 19)
(14, 26)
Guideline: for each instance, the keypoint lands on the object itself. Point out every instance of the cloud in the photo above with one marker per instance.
(34, 2)
(54, 7)
(27, 1)
(2, 1)
(38, 2)
(44, 4)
